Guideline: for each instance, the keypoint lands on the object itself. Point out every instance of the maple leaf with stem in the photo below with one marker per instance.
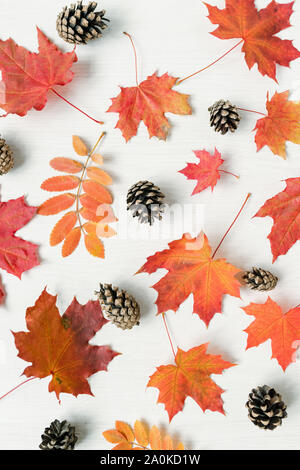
(282, 329)
(192, 269)
(16, 255)
(94, 205)
(140, 437)
(281, 124)
(206, 172)
(284, 208)
(148, 101)
(27, 77)
(58, 346)
(241, 19)
(190, 376)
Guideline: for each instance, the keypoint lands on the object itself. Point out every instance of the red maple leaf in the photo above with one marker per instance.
(59, 346)
(190, 376)
(280, 124)
(206, 172)
(16, 254)
(284, 208)
(241, 19)
(192, 270)
(27, 77)
(271, 323)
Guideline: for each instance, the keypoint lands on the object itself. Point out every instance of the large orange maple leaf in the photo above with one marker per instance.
(148, 102)
(282, 329)
(284, 208)
(282, 123)
(241, 19)
(190, 376)
(192, 270)
(27, 77)
(59, 346)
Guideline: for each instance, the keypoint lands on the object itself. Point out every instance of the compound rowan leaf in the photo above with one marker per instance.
(27, 77)
(284, 208)
(190, 376)
(257, 29)
(60, 183)
(99, 175)
(71, 242)
(205, 172)
(94, 246)
(16, 255)
(282, 329)
(97, 191)
(79, 146)
(192, 270)
(149, 102)
(58, 346)
(56, 204)
(66, 165)
(63, 228)
(281, 124)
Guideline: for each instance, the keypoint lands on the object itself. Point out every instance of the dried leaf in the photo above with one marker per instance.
(97, 191)
(168, 443)
(96, 174)
(89, 215)
(123, 446)
(94, 246)
(79, 146)
(113, 436)
(141, 433)
(89, 202)
(60, 183)
(155, 438)
(97, 158)
(56, 204)
(90, 227)
(71, 242)
(63, 228)
(66, 165)
(125, 429)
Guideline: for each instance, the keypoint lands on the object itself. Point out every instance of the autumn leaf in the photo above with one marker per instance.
(241, 19)
(27, 77)
(190, 376)
(139, 437)
(57, 204)
(2, 293)
(16, 254)
(63, 228)
(284, 208)
(60, 183)
(192, 270)
(206, 172)
(67, 165)
(282, 329)
(59, 346)
(148, 102)
(79, 146)
(71, 242)
(281, 124)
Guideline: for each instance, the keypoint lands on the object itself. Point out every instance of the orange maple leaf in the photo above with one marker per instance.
(280, 124)
(192, 270)
(190, 376)
(284, 208)
(241, 19)
(59, 346)
(271, 323)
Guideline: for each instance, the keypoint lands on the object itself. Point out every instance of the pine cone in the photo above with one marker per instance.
(266, 408)
(145, 200)
(6, 157)
(59, 436)
(79, 23)
(119, 306)
(224, 116)
(259, 279)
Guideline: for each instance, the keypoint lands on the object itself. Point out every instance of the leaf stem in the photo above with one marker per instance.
(209, 65)
(15, 388)
(251, 111)
(168, 333)
(135, 57)
(82, 178)
(78, 109)
(229, 173)
(232, 224)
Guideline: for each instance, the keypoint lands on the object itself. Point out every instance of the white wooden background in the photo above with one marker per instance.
(170, 36)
